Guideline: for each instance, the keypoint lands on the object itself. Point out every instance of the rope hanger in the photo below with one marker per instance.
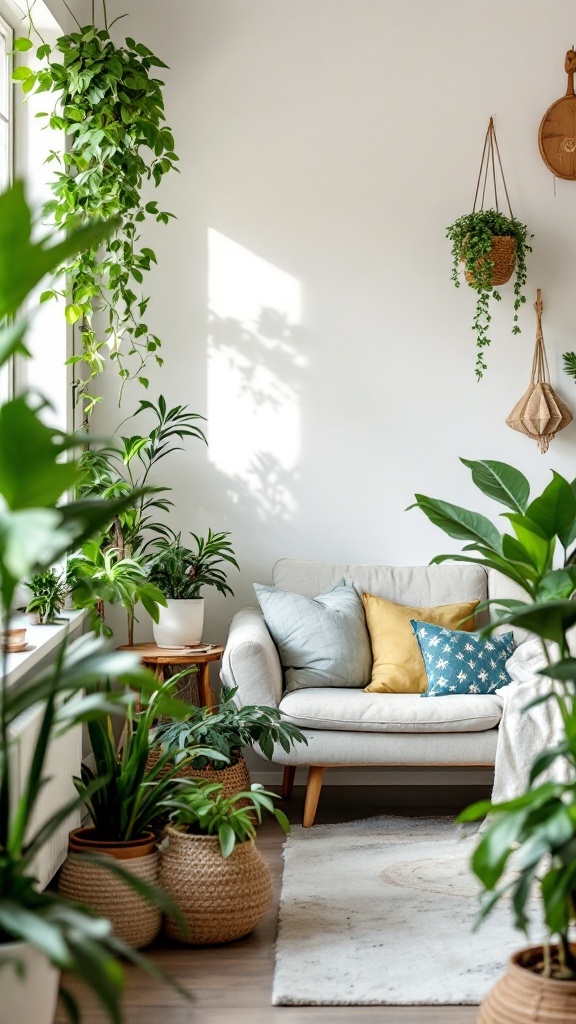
(491, 154)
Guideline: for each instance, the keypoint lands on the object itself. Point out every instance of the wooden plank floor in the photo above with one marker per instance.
(233, 983)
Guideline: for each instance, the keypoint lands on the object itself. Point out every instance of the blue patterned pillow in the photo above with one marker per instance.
(459, 662)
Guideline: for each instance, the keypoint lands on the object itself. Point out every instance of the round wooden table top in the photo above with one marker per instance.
(200, 655)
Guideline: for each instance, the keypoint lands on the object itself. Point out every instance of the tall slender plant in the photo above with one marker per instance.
(110, 106)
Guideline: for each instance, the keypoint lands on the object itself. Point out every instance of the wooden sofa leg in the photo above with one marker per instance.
(288, 781)
(313, 787)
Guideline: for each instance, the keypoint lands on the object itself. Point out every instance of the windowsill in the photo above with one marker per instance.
(41, 642)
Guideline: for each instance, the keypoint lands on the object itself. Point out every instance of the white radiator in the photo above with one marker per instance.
(62, 762)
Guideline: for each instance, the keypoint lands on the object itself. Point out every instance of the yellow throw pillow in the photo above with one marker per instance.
(398, 665)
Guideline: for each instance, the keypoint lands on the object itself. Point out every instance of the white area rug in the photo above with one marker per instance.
(381, 912)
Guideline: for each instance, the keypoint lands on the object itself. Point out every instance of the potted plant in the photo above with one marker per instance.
(49, 593)
(227, 730)
(126, 799)
(210, 866)
(180, 573)
(126, 467)
(530, 842)
(489, 245)
(97, 576)
(40, 934)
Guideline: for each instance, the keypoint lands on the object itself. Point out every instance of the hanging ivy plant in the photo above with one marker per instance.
(472, 236)
(110, 106)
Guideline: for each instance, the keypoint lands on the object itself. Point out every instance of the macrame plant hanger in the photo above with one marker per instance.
(491, 154)
(540, 413)
(503, 249)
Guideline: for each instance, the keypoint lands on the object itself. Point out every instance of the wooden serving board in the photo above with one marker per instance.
(557, 134)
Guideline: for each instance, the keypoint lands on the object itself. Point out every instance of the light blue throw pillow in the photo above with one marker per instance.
(322, 641)
(459, 662)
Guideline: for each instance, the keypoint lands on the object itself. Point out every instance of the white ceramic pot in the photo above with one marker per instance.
(30, 999)
(180, 623)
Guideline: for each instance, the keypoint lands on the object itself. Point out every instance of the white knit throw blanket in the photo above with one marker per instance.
(524, 734)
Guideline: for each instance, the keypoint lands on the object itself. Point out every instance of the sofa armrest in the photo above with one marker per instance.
(251, 661)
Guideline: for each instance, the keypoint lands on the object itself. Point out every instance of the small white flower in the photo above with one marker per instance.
(446, 649)
(462, 677)
(452, 688)
(441, 681)
(473, 688)
(422, 632)
(434, 641)
(492, 663)
(441, 663)
(468, 647)
(472, 663)
(460, 656)
(489, 646)
(483, 676)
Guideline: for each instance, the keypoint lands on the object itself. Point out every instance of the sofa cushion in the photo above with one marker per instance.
(398, 666)
(463, 662)
(357, 711)
(323, 640)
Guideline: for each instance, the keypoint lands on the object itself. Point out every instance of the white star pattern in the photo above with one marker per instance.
(458, 669)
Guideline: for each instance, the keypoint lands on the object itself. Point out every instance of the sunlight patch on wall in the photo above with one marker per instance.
(255, 364)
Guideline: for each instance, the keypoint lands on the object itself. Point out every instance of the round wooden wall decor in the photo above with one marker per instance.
(557, 135)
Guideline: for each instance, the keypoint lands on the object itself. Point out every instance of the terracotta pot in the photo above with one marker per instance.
(523, 996)
(29, 998)
(220, 899)
(134, 919)
(85, 839)
(13, 640)
(503, 256)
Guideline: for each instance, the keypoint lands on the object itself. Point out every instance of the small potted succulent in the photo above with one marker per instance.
(226, 730)
(180, 573)
(210, 867)
(49, 592)
(489, 245)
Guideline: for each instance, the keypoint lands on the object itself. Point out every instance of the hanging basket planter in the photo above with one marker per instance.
(489, 247)
(501, 260)
(540, 413)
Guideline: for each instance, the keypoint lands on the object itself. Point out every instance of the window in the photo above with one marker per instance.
(5, 105)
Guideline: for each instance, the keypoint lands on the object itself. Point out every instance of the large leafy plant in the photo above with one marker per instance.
(181, 572)
(109, 103)
(530, 840)
(471, 237)
(226, 730)
(35, 529)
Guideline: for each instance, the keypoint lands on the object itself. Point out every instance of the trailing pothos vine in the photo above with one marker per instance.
(471, 237)
(110, 106)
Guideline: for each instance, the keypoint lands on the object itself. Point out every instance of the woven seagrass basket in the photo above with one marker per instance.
(522, 996)
(220, 899)
(503, 255)
(133, 918)
(233, 779)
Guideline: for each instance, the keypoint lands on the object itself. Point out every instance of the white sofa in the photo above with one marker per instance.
(346, 727)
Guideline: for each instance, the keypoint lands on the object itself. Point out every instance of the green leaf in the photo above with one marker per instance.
(21, 74)
(550, 620)
(490, 857)
(554, 511)
(458, 522)
(502, 482)
(32, 473)
(22, 44)
(535, 542)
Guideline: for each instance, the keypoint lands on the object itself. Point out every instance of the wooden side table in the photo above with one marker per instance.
(160, 658)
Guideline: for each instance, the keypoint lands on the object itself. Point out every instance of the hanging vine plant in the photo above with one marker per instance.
(490, 247)
(110, 106)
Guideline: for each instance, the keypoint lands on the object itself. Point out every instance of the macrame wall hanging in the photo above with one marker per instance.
(540, 413)
(557, 135)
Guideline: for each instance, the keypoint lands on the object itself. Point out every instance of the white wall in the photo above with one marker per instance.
(324, 148)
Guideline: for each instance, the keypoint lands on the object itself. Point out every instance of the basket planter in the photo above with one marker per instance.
(503, 256)
(220, 899)
(180, 623)
(234, 779)
(522, 996)
(134, 919)
(31, 998)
